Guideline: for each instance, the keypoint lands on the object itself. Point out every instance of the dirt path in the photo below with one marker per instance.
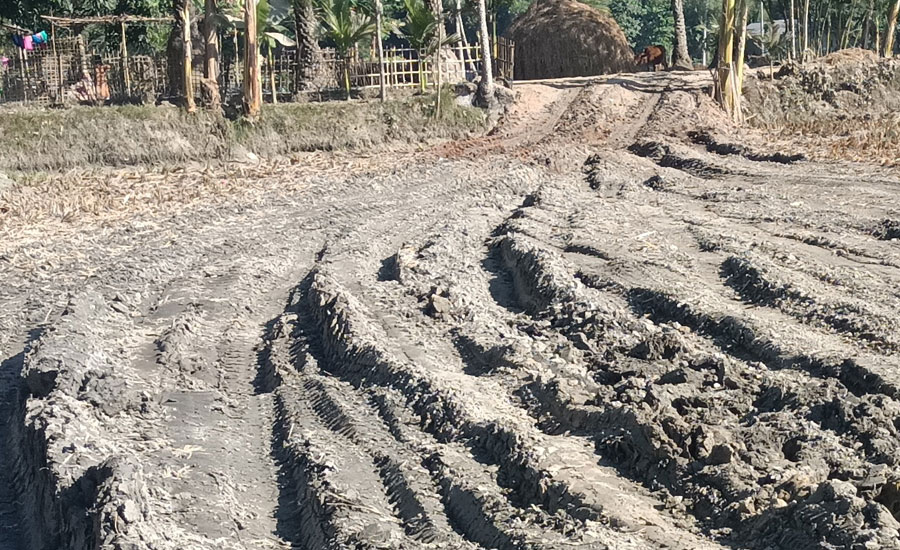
(588, 330)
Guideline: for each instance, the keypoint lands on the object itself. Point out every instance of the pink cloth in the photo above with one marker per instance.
(28, 42)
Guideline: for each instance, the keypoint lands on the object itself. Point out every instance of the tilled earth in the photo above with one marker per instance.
(604, 326)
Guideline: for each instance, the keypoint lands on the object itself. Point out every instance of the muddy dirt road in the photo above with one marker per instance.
(599, 327)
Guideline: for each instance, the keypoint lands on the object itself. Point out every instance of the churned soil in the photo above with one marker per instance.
(614, 322)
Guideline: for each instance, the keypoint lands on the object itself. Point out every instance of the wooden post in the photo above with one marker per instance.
(59, 75)
(126, 73)
(188, 65)
(252, 81)
(379, 14)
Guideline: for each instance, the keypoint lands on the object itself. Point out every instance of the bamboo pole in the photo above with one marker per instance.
(126, 73)
(805, 30)
(252, 82)
(891, 29)
(59, 75)
(188, 87)
(379, 14)
(272, 75)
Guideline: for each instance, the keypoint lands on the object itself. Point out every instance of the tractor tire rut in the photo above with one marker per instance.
(595, 329)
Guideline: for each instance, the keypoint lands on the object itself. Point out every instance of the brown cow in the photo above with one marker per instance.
(652, 57)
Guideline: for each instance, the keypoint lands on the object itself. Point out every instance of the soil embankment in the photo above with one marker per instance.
(116, 136)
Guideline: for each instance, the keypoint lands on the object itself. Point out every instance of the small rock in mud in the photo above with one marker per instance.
(662, 345)
(439, 306)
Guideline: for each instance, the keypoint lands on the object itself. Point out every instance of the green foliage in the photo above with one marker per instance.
(27, 13)
(645, 22)
(344, 24)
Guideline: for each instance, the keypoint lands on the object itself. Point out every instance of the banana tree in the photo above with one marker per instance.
(270, 32)
(346, 25)
(421, 29)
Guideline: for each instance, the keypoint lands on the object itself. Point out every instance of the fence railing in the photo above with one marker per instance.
(68, 72)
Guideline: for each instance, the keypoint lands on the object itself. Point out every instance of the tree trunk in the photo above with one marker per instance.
(891, 29)
(725, 84)
(179, 55)
(793, 22)
(252, 80)
(437, 7)
(187, 64)
(867, 31)
(805, 29)
(740, 32)
(210, 42)
(486, 87)
(309, 57)
(681, 59)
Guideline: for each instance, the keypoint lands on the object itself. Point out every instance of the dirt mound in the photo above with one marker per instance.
(850, 55)
(845, 84)
(842, 105)
(562, 38)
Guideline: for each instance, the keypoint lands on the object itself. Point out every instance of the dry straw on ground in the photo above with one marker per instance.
(560, 38)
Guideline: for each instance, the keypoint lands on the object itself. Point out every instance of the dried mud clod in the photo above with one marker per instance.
(720, 148)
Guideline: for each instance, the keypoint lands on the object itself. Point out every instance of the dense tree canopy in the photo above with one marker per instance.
(833, 24)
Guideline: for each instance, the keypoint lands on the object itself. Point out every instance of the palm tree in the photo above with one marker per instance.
(486, 87)
(346, 26)
(681, 59)
(420, 30)
(308, 54)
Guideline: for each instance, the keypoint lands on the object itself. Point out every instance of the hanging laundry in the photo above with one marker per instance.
(40, 38)
(28, 43)
(18, 40)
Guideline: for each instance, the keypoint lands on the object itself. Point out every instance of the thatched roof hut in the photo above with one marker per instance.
(560, 38)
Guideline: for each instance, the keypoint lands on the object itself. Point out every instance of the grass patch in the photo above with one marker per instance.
(127, 135)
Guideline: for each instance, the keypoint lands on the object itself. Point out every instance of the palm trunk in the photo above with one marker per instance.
(681, 59)
(309, 57)
(891, 29)
(252, 81)
(437, 7)
(486, 88)
(347, 77)
(793, 22)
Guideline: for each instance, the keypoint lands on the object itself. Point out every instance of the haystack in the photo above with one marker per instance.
(560, 38)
